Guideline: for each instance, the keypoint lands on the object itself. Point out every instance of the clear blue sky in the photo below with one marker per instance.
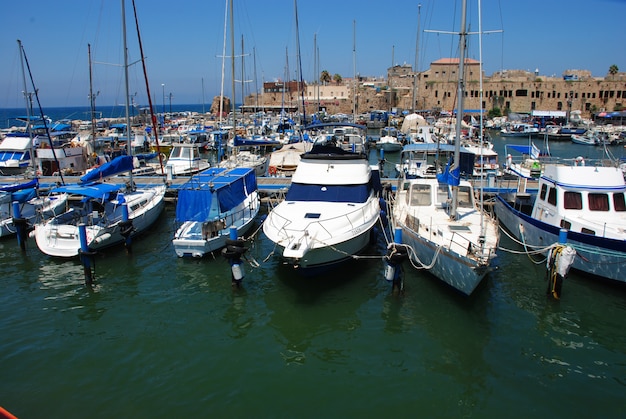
(183, 42)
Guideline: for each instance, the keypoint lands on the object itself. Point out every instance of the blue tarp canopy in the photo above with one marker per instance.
(12, 188)
(24, 195)
(229, 186)
(94, 190)
(530, 150)
(61, 127)
(118, 165)
(452, 178)
(241, 142)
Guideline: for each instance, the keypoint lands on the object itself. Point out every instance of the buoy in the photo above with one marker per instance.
(396, 254)
(560, 259)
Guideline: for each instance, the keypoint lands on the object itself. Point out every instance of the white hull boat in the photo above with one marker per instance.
(100, 207)
(585, 202)
(330, 209)
(212, 203)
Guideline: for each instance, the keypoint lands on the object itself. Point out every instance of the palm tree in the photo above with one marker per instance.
(613, 70)
(337, 78)
(325, 77)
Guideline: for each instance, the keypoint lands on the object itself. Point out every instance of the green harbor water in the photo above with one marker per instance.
(158, 336)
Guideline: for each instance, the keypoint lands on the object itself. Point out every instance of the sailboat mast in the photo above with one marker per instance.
(354, 81)
(92, 101)
(155, 127)
(28, 108)
(232, 66)
(481, 125)
(459, 110)
(417, 43)
(223, 64)
(301, 77)
(126, 89)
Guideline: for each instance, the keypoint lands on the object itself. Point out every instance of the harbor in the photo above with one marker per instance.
(180, 335)
(412, 244)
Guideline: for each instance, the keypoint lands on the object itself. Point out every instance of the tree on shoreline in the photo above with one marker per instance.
(325, 77)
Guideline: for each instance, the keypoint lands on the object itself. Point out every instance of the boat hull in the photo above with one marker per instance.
(190, 240)
(62, 240)
(319, 259)
(597, 256)
(461, 273)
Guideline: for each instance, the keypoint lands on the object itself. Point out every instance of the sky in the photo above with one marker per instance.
(183, 43)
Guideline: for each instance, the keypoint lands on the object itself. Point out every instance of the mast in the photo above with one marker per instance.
(301, 77)
(232, 67)
(43, 118)
(129, 148)
(459, 110)
(92, 101)
(243, 80)
(223, 62)
(417, 43)
(354, 81)
(155, 127)
(28, 108)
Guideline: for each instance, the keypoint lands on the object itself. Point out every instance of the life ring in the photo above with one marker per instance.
(580, 161)
(272, 170)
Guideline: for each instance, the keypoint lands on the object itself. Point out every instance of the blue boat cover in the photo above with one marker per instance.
(24, 195)
(95, 190)
(12, 188)
(450, 177)
(240, 142)
(229, 186)
(120, 164)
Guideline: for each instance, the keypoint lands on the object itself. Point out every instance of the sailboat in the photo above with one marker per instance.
(110, 212)
(446, 230)
(31, 207)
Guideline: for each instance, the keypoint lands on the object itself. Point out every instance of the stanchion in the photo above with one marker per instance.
(21, 225)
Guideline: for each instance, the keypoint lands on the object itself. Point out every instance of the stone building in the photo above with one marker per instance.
(517, 91)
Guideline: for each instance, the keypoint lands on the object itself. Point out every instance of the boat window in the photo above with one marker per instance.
(465, 197)
(420, 195)
(442, 194)
(552, 196)
(598, 202)
(328, 193)
(176, 152)
(573, 200)
(566, 224)
(587, 231)
(544, 189)
(618, 201)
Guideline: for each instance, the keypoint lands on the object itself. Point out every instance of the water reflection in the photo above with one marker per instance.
(315, 316)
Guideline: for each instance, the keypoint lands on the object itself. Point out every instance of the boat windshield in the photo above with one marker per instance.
(328, 193)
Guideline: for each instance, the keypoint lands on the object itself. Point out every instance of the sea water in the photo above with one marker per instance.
(159, 336)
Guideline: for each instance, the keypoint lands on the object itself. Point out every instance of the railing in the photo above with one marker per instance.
(355, 219)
